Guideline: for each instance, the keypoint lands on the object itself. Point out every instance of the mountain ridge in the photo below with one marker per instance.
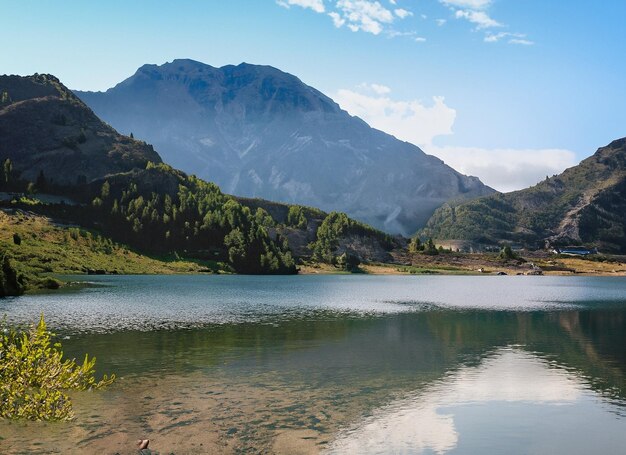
(45, 127)
(260, 132)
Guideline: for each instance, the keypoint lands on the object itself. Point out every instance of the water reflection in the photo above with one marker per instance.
(426, 420)
(439, 380)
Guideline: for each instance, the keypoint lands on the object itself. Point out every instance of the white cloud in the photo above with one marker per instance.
(410, 121)
(440, 22)
(337, 19)
(424, 421)
(505, 169)
(513, 38)
(419, 39)
(357, 15)
(472, 4)
(364, 15)
(402, 13)
(523, 42)
(480, 18)
(315, 5)
(475, 11)
(375, 88)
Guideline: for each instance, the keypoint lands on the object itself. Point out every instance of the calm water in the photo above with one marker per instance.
(340, 364)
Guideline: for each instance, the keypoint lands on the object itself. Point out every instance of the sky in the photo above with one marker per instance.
(507, 90)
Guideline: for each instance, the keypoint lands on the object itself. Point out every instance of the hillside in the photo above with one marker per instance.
(45, 127)
(261, 133)
(585, 204)
(119, 189)
(46, 247)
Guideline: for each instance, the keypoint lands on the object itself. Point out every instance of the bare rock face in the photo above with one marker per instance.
(259, 132)
(45, 127)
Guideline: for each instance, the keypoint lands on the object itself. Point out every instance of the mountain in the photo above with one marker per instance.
(259, 132)
(60, 161)
(45, 127)
(584, 204)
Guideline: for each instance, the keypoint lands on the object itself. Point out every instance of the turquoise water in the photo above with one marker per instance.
(340, 364)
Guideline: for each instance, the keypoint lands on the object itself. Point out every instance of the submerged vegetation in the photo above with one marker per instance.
(35, 378)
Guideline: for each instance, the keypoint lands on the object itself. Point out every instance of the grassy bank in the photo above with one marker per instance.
(40, 248)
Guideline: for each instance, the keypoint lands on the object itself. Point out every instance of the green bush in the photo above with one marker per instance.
(34, 376)
(507, 253)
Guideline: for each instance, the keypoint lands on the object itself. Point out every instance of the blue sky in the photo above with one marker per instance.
(509, 90)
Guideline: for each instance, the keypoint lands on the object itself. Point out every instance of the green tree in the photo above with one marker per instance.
(41, 183)
(415, 245)
(296, 217)
(5, 98)
(348, 262)
(105, 190)
(507, 253)
(7, 171)
(11, 283)
(430, 248)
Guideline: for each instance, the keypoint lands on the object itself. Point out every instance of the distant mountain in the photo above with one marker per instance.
(45, 127)
(259, 132)
(584, 204)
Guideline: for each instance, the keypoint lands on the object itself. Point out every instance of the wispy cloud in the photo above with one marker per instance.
(523, 42)
(402, 13)
(315, 5)
(412, 121)
(363, 15)
(477, 13)
(368, 16)
(480, 18)
(511, 38)
(472, 4)
(380, 17)
(505, 169)
(420, 123)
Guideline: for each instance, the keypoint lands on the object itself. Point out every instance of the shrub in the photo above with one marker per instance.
(507, 253)
(34, 376)
(11, 283)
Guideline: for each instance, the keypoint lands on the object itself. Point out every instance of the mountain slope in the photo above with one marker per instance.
(259, 132)
(45, 127)
(584, 204)
(119, 187)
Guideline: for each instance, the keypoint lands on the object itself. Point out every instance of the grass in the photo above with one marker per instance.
(48, 249)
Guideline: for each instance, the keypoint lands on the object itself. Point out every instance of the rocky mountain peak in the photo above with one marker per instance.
(257, 131)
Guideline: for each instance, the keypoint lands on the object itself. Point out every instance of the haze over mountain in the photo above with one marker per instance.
(45, 127)
(259, 132)
(584, 204)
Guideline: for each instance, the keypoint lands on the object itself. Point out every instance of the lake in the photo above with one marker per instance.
(339, 364)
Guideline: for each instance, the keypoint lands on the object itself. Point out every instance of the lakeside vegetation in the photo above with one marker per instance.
(35, 377)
